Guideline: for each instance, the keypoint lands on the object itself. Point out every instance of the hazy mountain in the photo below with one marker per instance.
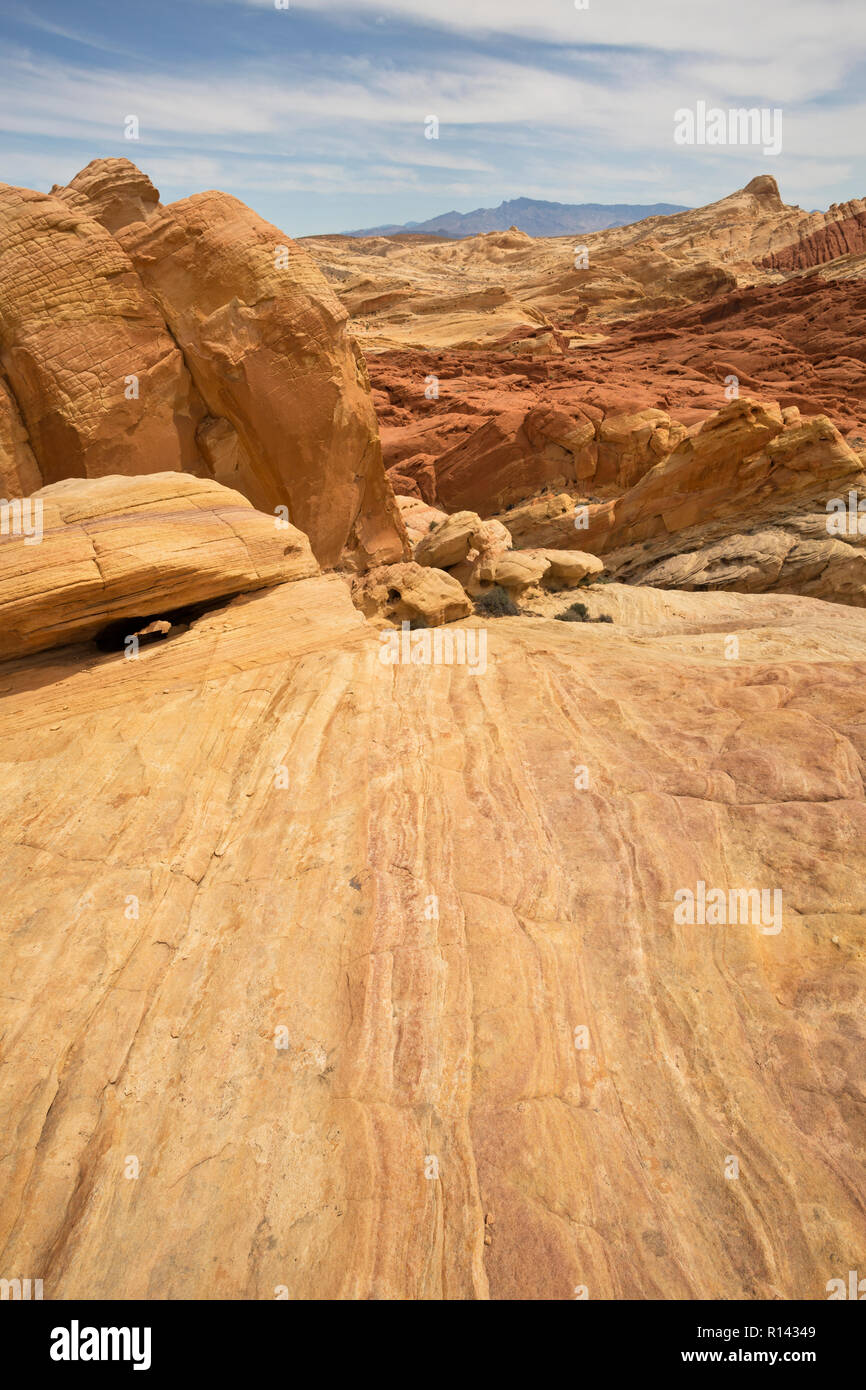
(532, 216)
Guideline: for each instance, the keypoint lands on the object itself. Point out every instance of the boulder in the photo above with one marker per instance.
(410, 593)
(491, 540)
(518, 569)
(568, 567)
(449, 541)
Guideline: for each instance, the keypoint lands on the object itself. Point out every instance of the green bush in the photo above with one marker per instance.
(496, 603)
(575, 613)
(579, 613)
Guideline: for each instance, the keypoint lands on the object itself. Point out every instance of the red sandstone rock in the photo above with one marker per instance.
(844, 237)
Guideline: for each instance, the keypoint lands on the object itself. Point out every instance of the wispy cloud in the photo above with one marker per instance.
(320, 109)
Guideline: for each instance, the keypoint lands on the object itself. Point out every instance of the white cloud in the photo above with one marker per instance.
(567, 122)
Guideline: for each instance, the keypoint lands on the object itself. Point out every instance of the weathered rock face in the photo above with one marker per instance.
(138, 339)
(518, 569)
(521, 569)
(135, 548)
(511, 457)
(98, 380)
(744, 466)
(19, 471)
(330, 1087)
(844, 237)
(113, 191)
(414, 477)
(796, 555)
(701, 480)
(548, 520)
(450, 541)
(266, 343)
(417, 517)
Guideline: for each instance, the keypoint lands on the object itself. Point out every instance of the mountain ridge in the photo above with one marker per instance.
(534, 216)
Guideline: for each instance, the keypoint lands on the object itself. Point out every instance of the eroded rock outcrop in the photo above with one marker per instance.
(19, 471)
(266, 343)
(113, 191)
(98, 380)
(746, 463)
(114, 549)
(843, 237)
(411, 593)
(137, 338)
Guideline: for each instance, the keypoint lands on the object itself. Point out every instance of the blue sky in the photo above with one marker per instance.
(315, 114)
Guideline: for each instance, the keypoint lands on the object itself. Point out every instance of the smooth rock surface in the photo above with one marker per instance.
(175, 908)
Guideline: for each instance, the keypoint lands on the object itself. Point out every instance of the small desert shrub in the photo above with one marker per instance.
(575, 613)
(579, 613)
(496, 603)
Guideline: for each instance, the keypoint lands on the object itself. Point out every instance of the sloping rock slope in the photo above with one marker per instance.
(342, 979)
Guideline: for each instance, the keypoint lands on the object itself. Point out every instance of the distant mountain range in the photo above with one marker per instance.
(532, 216)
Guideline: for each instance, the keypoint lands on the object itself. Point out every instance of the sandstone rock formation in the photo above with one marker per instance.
(427, 293)
(99, 382)
(266, 345)
(135, 549)
(843, 237)
(260, 1004)
(19, 471)
(411, 593)
(522, 569)
(449, 541)
(376, 971)
(113, 191)
(417, 517)
(139, 339)
(746, 468)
